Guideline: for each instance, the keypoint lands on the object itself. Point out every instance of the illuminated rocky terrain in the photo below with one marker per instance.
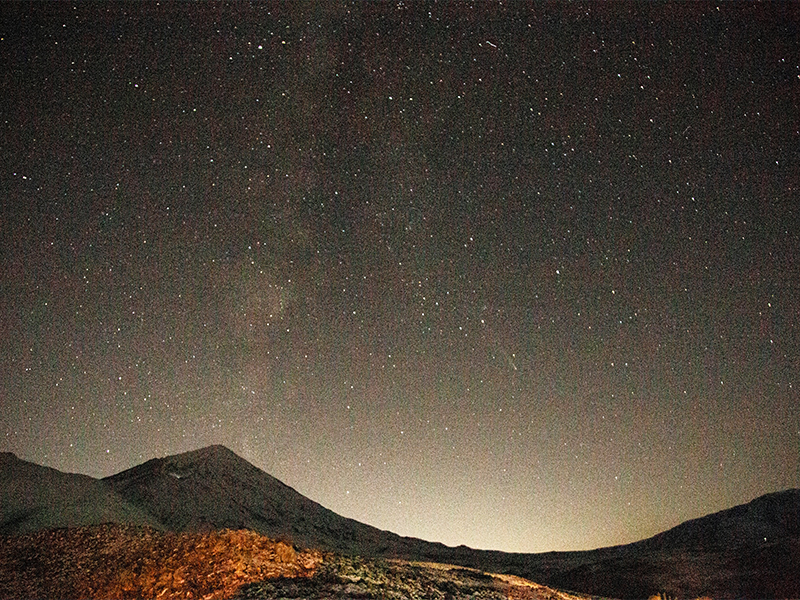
(208, 524)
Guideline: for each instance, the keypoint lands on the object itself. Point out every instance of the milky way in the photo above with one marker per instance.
(520, 277)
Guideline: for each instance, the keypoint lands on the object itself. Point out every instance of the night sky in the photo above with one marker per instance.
(516, 276)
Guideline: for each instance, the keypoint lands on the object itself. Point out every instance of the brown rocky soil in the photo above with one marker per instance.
(348, 578)
(126, 562)
(120, 562)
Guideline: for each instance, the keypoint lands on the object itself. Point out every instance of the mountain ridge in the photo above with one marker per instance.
(34, 497)
(746, 551)
(777, 515)
(189, 491)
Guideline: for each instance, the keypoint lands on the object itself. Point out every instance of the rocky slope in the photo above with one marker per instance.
(33, 497)
(346, 577)
(125, 562)
(213, 488)
(749, 551)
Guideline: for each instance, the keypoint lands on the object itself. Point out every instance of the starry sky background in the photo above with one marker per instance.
(516, 276)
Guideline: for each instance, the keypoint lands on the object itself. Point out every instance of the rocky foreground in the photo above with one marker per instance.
(120, 561)
(110, 561)
(750, 551)
(354, 578)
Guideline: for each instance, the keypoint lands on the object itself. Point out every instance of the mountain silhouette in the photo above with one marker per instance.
(213, 488)
(769, 518)
(33, 497)
(748, 551)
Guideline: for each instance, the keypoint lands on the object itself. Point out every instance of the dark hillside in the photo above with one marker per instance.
(213, 488)
(748, 551)
(33, 497)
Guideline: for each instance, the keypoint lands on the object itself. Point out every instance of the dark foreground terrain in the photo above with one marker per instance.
(750, 551)
(351, 578)
(125, 562)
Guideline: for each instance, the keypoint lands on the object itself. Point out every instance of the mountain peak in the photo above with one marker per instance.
(212, 450)
(216, 460)
(214, 488)
(213, 453)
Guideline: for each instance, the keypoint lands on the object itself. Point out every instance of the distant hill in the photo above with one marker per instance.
(770, 518)
(748, 551)
(33, 497)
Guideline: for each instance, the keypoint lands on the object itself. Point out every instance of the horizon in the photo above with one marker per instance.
(198, 450)
(514, 277)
